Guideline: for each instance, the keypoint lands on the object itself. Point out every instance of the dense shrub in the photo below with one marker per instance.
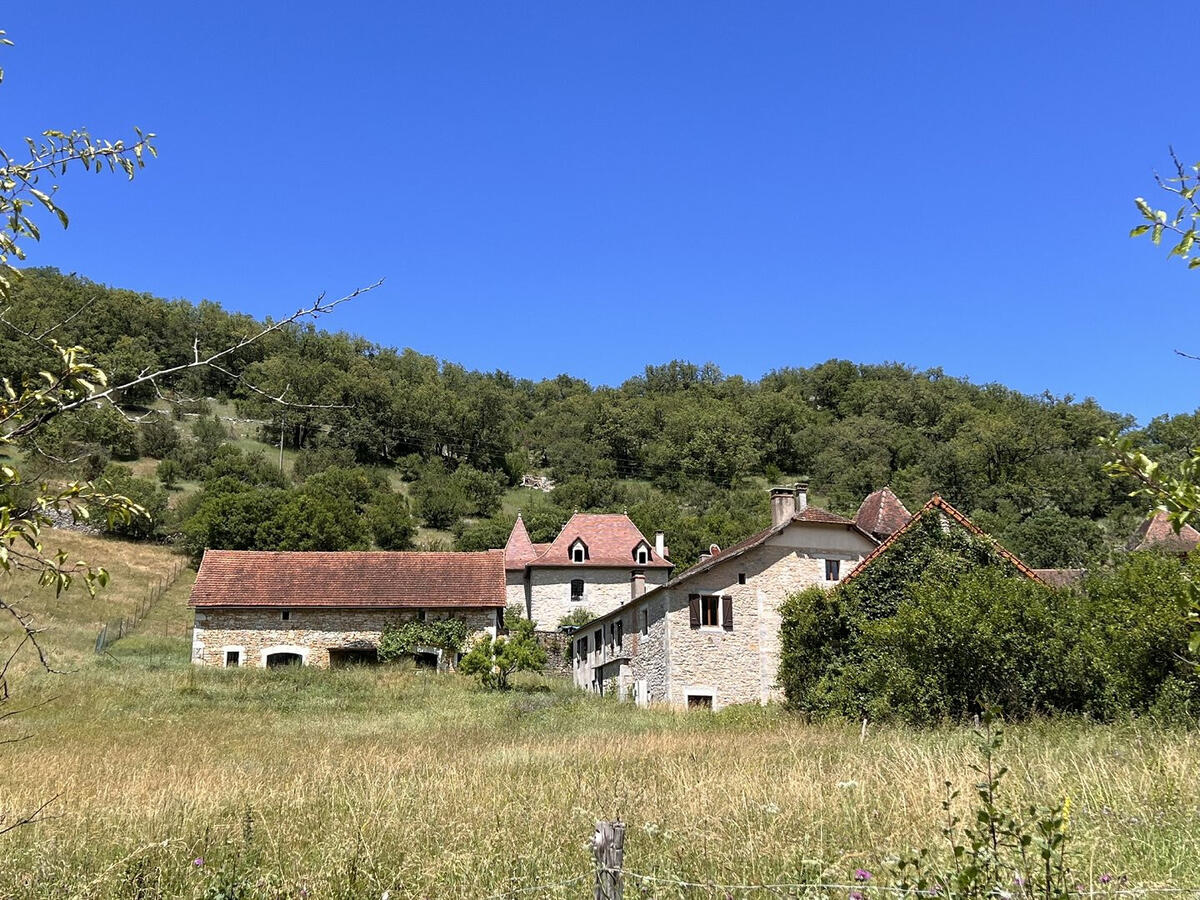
(941, 627)
(149, 496)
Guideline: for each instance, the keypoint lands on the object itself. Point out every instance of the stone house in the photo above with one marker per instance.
(258, 608)
(709, 637)
(1157, 533)
(597, 562)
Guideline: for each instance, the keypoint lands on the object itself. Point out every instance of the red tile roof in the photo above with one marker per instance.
(1061, 577)
(937, 503)
(882, 514)
(1157, 533)
(520, 550)
(610, 539)
(371, 580)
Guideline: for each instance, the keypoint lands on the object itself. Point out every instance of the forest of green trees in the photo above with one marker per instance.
(412, 451)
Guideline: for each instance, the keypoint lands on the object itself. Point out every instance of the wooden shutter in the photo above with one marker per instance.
(694, 609)
(727, 611)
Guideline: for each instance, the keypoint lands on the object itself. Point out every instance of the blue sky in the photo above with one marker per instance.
(587, 188)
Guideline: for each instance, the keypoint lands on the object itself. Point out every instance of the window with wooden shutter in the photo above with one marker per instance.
(694, 610)
(727, 611)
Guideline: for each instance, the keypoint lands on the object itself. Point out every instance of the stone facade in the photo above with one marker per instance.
(663, 658)
(254, 634)
(548, 590)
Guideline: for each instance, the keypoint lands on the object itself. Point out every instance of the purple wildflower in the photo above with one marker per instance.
(1019, 881)
(198, 861)
(862, 875)
(856, 895)
(1105, 878)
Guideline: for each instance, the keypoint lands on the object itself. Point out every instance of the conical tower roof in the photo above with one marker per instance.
(882, 514)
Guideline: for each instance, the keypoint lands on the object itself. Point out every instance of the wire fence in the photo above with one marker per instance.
(115, 629)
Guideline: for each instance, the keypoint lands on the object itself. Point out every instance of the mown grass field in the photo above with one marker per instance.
(304, 783)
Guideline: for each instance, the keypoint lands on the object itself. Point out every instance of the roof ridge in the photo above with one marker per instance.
(937, 502)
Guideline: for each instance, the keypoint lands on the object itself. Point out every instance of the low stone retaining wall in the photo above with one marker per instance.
(558, 651)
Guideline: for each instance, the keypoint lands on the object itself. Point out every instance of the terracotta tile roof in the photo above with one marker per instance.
(882, 514)
(937, 503)
(253, 578)
(520, 550)
(1157, 533)
(610, 540)
(1061, 577)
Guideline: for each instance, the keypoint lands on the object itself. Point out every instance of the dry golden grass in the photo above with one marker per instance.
(350, 783)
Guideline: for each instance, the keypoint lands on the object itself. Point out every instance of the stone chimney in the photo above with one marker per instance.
(637, 584)
(801, 496)
(783, 504)
(660, 544)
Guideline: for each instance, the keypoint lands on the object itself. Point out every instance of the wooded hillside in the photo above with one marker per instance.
(682, 446)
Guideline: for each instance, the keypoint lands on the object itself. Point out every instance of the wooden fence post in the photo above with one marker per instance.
(608, 844)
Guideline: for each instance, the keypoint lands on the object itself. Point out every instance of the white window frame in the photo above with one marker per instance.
(708, 692)
(643, 555)
(233, 648)
(283, 648)
(703, 625)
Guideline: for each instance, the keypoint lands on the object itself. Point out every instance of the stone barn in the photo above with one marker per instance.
(259, 608)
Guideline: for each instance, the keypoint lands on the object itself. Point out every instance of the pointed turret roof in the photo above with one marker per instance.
(519, 551)
(1157, 533)
(882, 514)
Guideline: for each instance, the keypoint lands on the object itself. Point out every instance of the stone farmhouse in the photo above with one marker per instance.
(710, 636)
(597, 563)
(329, 609)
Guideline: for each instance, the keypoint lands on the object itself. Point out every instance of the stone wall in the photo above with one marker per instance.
(558, 651)
(310, 633)
(604, 589)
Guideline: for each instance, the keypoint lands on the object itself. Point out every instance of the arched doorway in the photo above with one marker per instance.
(283, 658)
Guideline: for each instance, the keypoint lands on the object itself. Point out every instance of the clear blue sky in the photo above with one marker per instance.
(588, 188)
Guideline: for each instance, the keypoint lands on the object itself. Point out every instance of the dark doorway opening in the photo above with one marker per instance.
(279, 660)
(341, 657)
(425, 660)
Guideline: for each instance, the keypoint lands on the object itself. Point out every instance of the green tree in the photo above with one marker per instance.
(169, 472)
(495, 660)
(149, 497)
(390, 521)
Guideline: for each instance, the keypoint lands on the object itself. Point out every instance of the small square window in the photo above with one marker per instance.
(421, 615)
(285, 615)
(833, 568)
(741, 577)
(233, 659)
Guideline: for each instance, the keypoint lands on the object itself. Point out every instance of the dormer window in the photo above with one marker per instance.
(641, 554)
(578, 551)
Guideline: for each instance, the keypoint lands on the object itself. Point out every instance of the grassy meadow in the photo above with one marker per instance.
(183, 783)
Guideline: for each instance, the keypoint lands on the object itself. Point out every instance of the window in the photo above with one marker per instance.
(645, 621)
(832, 569)
(579, 551)
(420, 615)
(285, 615)
(599, 637)
(583, 647)
(233, 659)
(500, 620)
(700, 701)
(642, 556)
(706, 611)
(577, 589)
(741, 577)
(620, 633)
(577, 554)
